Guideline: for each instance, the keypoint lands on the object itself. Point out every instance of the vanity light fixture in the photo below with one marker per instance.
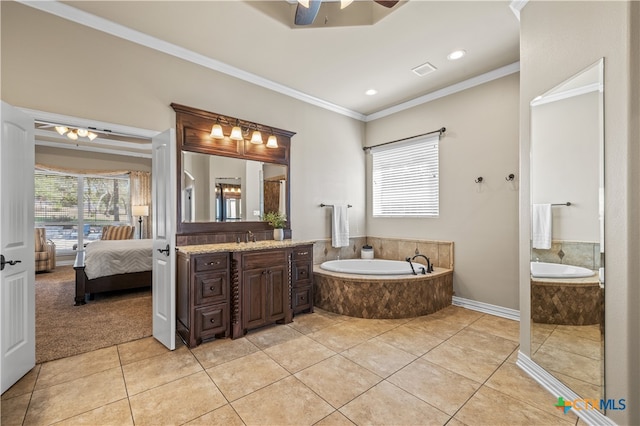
(236, 132)
(256, 136)
(216, 130)
(272, 142)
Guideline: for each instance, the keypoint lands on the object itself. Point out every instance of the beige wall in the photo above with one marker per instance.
(481, 219)
(557, 40)
(53, 65)
(85, 160)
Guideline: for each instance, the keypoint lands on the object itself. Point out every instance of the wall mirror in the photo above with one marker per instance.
(567, 198)
(224, 189)
(226, 185)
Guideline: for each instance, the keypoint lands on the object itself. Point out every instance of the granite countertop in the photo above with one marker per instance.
(230, 247)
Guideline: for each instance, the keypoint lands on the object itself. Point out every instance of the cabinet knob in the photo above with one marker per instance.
(212, 288)
(303, 253)
(213, 321)
(213, 263)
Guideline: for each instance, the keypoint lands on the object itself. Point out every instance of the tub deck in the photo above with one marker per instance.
(383, 296)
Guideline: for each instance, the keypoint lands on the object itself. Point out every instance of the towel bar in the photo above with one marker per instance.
(331, 205)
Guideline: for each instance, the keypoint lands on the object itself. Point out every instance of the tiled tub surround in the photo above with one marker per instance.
(577, 253)
(567, 301)
(383, 296)
(397, 296)
(439, 252)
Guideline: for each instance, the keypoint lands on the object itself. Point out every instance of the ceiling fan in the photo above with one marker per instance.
(307, 10)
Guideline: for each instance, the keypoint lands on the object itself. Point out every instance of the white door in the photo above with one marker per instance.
(163, 189)
(17, 280)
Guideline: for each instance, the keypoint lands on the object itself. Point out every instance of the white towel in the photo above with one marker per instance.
(340, 226)
(541, 226)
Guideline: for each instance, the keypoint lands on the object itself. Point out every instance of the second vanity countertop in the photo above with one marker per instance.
(231, 247)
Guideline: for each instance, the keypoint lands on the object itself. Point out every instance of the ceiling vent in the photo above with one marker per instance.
(424, 69)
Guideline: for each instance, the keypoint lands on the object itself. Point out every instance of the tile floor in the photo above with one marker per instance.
(454, 367)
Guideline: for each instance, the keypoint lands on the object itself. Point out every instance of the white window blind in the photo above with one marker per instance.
(406, 178)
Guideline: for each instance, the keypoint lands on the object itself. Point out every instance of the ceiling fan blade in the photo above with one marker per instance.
(306, 15)
(389, 3)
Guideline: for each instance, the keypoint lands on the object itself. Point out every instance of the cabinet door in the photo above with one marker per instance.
(277, 293)
(254, 298)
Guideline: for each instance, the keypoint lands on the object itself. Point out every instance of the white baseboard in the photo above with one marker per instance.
(557, 389)
(487, 308)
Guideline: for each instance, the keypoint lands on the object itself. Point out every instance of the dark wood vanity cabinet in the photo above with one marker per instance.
(302, 277)
(264, 287)
(203, 305)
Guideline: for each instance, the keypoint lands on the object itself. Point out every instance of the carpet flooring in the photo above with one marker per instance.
(64, 330)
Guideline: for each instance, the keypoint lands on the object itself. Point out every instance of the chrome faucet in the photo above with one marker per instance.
(424, 271)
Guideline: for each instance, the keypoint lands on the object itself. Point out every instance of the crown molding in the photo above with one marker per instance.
(517, 6)
(454, 88)
(72, 14)
(54, 7)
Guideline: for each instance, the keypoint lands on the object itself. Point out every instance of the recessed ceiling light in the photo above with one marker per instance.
(456, 54)
(371, 92)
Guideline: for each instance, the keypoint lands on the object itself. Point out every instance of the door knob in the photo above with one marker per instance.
(165, 251)
(5, 262)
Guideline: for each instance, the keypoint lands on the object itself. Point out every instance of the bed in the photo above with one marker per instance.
(107, 265)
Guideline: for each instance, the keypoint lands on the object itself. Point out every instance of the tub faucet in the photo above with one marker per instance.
(429, 265)
(408, 259)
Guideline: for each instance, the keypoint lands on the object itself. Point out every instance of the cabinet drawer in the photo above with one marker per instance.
(302, 253)
(301, 298)
(264, 259)
(301, 272)
(210, 287)
(211, 320)
(211, 262)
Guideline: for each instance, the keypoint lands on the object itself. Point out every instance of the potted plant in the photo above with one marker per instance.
(278, 221)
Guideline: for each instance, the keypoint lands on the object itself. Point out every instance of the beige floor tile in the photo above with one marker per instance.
(578, 345)
(115, 414)
(25, 385)
(481, 341)
(513, 381)
(591, 332)
(540, 332)
(457, 314)
(375, 327)
(379, 357)
(490, 407)
(245, 375)
(309, 323)
(287, 402)
(323, 378)
(410, 340)
(444, 389)
(438, 328)
(498, 326)
(149, 373)
(272, 335)
(577, 366)
(70, 398)
(386, 404)
(298, 354)
(14, 409)
(223, 416)
(177, 402)
(339, 337)
(140, 349)
(467, 362)
(218, 352)
(335, 419)
(74, 367)
(583, 389)
(455, 422)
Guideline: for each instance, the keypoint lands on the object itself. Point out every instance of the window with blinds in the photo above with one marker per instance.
(104, 200)
(406, 178)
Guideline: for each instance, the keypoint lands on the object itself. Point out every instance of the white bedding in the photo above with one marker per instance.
(111, 257)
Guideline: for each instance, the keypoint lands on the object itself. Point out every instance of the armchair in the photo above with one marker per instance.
(45, 251)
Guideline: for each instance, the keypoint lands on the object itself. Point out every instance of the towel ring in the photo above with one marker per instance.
(510, 177)
(479, 179)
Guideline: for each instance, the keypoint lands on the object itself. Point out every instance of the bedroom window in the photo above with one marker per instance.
(65, 203)
(406, 178)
